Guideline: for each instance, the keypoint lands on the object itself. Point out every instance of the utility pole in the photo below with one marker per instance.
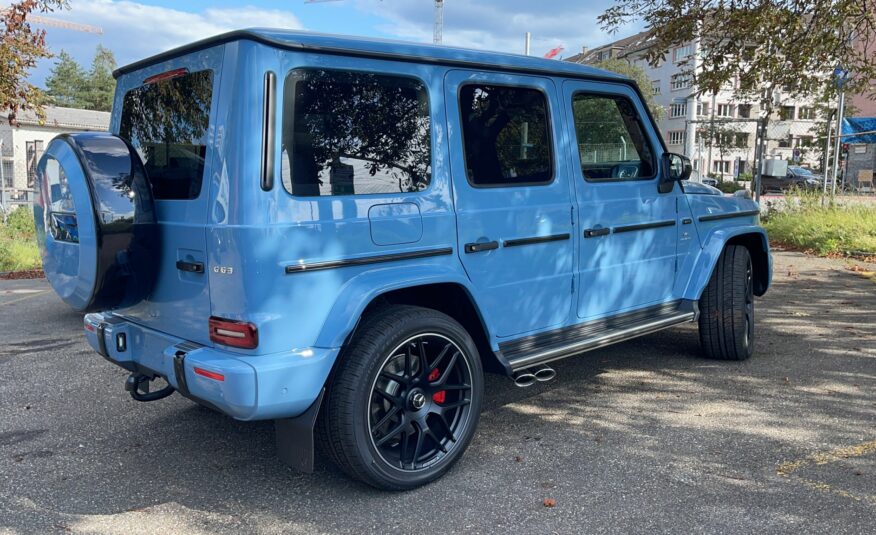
(526, 43)
(841, 76)
(438, 31)
(827, 156)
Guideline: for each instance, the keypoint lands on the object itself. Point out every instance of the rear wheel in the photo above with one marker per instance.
(727, 307)
(403, 405)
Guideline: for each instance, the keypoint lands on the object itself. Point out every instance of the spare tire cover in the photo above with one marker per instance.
(95, 222)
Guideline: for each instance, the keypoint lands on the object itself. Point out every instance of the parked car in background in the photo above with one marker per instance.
(796, 178)
(343, 235)
(710, 182)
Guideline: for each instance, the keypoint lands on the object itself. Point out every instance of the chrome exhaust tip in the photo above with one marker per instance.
(545, 374)
(528, 377)
(524, 379)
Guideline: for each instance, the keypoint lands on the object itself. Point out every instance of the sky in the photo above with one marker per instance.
(137, 29)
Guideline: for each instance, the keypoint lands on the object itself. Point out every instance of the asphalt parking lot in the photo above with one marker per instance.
(641, 437)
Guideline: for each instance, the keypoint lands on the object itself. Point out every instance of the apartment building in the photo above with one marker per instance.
(690, 119)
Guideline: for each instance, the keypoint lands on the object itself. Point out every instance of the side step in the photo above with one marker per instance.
(568, 341)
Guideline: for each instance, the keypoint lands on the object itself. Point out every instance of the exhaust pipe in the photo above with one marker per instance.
(529, 377)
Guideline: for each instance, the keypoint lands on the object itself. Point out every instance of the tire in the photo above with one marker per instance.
(727, 307)
(95, 221)
(411, 369)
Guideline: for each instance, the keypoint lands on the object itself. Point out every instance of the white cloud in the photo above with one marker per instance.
(137, 30)
(498, 24)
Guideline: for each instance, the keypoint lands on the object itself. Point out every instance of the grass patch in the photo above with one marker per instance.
(18, 248)
(829, 230)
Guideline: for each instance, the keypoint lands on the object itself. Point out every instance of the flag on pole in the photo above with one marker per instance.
(554, 52)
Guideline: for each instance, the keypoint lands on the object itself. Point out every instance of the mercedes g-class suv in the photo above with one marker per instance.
(342, 235)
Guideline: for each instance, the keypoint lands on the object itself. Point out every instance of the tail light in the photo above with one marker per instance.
(234, 333)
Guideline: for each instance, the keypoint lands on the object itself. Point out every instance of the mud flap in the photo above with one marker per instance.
(295, 437)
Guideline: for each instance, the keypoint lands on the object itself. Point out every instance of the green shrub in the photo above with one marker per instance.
(18, 248)
(730, 186)
(824, 230)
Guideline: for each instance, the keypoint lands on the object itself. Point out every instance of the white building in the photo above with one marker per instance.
(689, 117)
(21, 146)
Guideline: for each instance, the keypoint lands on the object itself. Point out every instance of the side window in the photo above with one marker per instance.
(506, 134)
(611, 142)
(352, 133)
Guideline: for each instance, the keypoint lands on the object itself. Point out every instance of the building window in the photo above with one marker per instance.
(506, 135)
(678, 109)
(721, 166)
(6, 171)
(786, 143)
(611, 143)
(742, 140)
(724, 110)
(702, 108)
(807, 114)
(786, 113)
(680, 81)
(683, 52)
(744, 111)
(352, 133)
(34, 150)
(676, 137)
(655, 87)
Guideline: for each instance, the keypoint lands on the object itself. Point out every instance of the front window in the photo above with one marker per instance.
(166, 121)
(354, 133)
(611, 141)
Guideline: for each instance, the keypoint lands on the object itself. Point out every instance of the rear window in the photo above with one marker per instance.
(166, 121)
(355, 133)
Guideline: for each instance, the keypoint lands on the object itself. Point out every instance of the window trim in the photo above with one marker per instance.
(577, 151)
(550, 131)
(380, 72)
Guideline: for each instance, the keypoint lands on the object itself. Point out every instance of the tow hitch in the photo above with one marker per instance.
(138, 386)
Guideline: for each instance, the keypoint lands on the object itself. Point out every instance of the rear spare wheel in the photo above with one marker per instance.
(95, 222)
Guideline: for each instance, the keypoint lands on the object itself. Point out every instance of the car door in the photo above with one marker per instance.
(628, 229)
(512, 197)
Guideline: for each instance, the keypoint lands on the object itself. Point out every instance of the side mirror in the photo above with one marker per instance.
(675, 169)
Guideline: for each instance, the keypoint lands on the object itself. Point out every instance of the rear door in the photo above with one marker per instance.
(513, 200)
(164, 111)
(627, 227)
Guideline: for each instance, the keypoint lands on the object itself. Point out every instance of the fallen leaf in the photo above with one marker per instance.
(550, 502)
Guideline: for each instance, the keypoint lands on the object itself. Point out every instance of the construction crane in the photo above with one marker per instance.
(67, 25)
(438, 29)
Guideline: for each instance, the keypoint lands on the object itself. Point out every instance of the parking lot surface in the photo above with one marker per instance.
(640, 437)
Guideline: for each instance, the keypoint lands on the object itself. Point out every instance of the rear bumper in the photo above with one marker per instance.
(279, 385)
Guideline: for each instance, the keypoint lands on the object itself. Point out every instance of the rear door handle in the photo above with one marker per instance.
(594, 232)
(478, 247)
(190, 267)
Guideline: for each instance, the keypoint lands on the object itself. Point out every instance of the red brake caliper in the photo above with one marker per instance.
(437, 397)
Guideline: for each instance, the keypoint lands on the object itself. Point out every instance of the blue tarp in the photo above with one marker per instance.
(859, 124)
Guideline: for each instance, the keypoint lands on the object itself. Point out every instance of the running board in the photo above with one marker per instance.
(568, 341)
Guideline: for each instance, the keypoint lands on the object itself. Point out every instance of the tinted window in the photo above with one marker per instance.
(166, 121)
(611, 142)
(506, 134)
(348, 133)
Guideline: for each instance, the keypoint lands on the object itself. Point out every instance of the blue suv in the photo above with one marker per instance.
(342, 235)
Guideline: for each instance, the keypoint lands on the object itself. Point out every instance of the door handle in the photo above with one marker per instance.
(594, 232)
(478, 247)
(190, 267)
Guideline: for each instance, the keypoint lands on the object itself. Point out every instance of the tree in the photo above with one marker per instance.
(101, 84)
(20, 48)
(639, 75)
(762, 45)
(66, 84)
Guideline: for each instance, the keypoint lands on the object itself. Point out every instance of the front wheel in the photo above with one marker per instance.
(727, 307)
(405, 400)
